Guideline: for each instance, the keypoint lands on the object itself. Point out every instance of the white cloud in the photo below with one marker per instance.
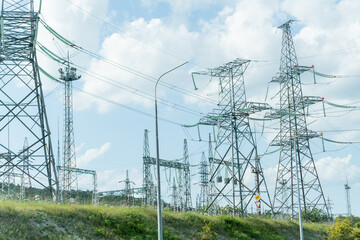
(335, 169)
(109, 179)
(128, 51)
(92, 154)
(72, 23)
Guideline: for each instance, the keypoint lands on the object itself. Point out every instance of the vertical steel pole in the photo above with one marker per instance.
(298, 189)
(159, 216)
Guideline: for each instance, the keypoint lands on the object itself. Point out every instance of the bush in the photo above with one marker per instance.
(315, 215)
(341, 230)
(356, 234)
(353, 220)
(208, 234)
(357, 225)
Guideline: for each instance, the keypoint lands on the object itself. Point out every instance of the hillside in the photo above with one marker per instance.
(51, 221)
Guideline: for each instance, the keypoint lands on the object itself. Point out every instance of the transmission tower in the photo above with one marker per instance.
(235, 150)
(329, 204)
(128, 192)
(25, 179)
(174, 196)
(183, 176)
(22, 101)
(148, 184)
(204, 181)
(187, 185)
(293, 138)
(348, 203)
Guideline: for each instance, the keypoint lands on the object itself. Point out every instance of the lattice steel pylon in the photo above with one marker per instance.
(235, 151)
(22, 106)
(25, 185)
(174, 196)
(128, 192)
(348, 203)
(148, 184)
(68, 177)
(204, 181)
(187, 183)
(183, 176)
(293, 138)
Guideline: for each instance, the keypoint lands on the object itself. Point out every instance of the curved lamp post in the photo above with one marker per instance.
(159, 217)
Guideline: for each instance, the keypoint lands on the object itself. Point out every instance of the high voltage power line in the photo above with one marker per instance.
(130, 89)
(122, 67)
(130, 35)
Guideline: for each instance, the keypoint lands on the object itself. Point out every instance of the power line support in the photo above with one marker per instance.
(235, 150)
(204, 182)
(293, 120)
(22, 100)
(183, 175)
(348, 203)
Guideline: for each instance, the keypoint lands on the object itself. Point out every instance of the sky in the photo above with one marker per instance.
(141, 39)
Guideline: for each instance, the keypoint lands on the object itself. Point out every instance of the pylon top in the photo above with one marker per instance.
(287, 24)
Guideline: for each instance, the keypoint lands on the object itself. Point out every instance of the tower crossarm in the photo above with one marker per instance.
(165, 163)
(223, 70)
(276, 113)
(300, 136)
(294, 70)
(244, 110)
(77, 170)
(224, 162)
(255, 107)
(309, 100)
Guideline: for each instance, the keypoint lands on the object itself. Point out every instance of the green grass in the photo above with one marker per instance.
(51, 221)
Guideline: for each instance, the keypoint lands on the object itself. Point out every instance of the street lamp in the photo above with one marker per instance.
(159, 217)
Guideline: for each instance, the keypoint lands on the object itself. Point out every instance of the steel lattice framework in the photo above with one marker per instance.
(348, 202)
(68, 177)
(187, 183)
(183, 168)
(235, 152)
(25, 179)
(293, 138)
(204, 181)
(148, 184)
(22, 106)
(128, 193)
(79, 171)
(174, 196)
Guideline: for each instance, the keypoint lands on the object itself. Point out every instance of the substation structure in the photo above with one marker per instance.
(11, 180)
(22, 106)
(201, 199)
(79, 171)
(128, 192)
(183, 189)
(293, 139)
(234, 159)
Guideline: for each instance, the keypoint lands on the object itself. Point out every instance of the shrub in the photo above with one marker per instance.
(208, 234)
(341, 230)
(316, 215)
(356, 234)
(357, 225)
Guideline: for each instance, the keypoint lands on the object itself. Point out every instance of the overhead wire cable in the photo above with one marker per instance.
(108, 100)
(130, 35)
(123, 67)
(117, 84)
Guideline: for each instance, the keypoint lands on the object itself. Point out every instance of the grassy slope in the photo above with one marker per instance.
(50, 221)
